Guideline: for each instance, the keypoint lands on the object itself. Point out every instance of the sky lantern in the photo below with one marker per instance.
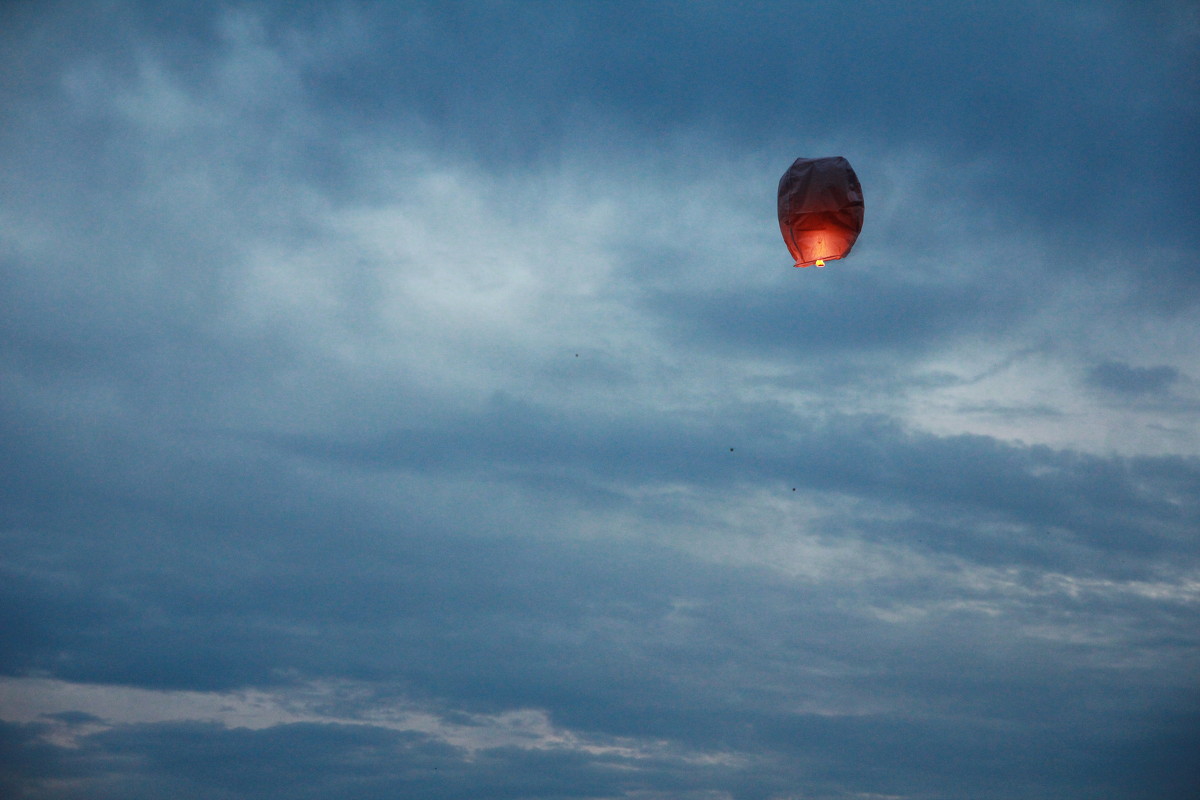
(820, 209)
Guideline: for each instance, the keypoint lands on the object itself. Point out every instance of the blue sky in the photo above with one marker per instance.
(418, 400)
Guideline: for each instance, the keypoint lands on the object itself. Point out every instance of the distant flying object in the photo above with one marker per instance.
(820, 209)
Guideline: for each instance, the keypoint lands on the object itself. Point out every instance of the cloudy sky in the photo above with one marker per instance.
(418, 400)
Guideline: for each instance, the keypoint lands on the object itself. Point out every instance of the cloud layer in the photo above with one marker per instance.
(396, 402)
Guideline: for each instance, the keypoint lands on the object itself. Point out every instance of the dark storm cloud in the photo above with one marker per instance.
(1053, 153)
(1130, 381)
(1064, 101)
(931, 752)
(1066, 499)
(1078, 128)
(591, 630)
(300, 761)
(861, 315)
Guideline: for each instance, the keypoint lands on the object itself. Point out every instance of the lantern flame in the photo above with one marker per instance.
(820, 263)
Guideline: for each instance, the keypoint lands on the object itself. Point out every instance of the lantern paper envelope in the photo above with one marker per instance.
(820, 209)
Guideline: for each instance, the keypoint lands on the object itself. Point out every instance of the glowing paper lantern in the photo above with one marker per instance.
(820, 209)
